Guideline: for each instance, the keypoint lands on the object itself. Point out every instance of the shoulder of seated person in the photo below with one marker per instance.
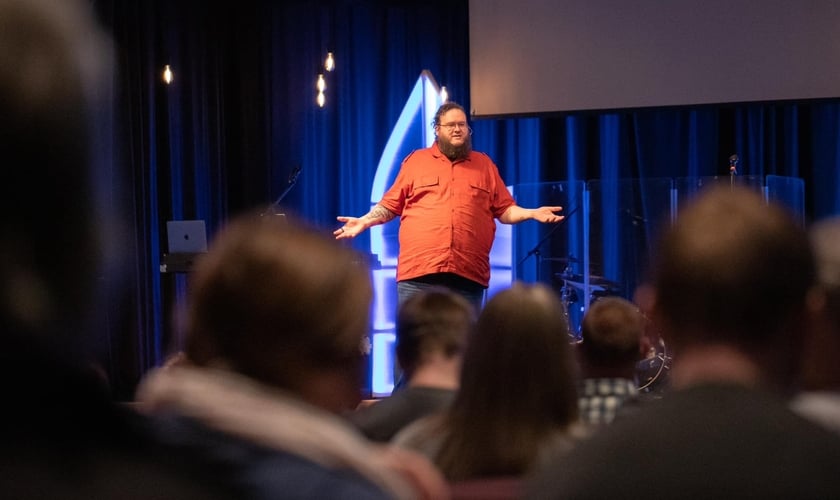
(417, 431)
(367, 402)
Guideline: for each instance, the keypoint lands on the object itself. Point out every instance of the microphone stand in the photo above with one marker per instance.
(536, 249)
(292, 180)
(733, 162)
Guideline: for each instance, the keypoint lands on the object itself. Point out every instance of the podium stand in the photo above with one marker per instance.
(178, 262)
(175, 269)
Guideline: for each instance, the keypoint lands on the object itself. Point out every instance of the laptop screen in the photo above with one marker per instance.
(186, 236)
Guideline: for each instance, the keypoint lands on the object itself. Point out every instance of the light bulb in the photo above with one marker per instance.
(167, 74)
(444, 95)
(322, 84)
(321, 99)
(329, 64)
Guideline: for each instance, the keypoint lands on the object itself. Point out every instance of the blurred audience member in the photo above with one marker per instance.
(432, 328)
(730, 285)
(820, 396)
(276, 316)
(63, 436)
(611, 333)
(517, 397)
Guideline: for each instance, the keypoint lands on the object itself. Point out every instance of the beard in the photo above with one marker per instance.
(455, 152)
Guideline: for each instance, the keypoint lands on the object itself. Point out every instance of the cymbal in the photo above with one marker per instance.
(595, 282)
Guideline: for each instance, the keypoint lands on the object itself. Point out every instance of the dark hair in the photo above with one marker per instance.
(611, 331)
(517, 386)
(433, 320)
(444, 108)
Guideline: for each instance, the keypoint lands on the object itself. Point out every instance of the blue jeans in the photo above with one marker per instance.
(406, 289)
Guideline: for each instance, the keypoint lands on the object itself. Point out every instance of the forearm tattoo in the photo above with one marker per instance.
(379, 215)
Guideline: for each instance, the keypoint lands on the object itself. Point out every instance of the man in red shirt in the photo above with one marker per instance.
(447, 197)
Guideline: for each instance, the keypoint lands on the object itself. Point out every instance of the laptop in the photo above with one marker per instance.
(186, 236)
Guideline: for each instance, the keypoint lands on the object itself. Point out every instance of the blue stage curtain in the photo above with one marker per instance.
(240, 116)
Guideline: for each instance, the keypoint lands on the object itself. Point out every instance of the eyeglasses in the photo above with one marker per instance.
(453, 125)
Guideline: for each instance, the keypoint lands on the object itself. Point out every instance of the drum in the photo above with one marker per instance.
(568, 296)
(652, 369)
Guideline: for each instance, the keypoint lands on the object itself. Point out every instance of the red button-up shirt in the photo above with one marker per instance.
(447, 214)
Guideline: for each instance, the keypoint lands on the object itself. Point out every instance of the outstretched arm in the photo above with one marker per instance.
(516, 214)
(355, 225)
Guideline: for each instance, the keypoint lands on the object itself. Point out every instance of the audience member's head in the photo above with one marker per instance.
(63, 436)
(734, 271)
(517, 386)
(731, 291)
(825, 239)
(277, 314)
(824, 236)
(54, 65)
(432, 326)
(279, 303)
(821, 370)
(611, 333)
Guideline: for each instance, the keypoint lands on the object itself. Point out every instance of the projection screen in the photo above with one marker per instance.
(537, 57)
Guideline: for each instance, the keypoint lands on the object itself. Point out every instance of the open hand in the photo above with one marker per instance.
(548, 215)
(352, 226)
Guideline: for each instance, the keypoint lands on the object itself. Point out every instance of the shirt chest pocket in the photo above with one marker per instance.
(425, 185)
(479, 190)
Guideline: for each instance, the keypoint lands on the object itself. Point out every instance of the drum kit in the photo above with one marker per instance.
(576, 285)
(655, 359)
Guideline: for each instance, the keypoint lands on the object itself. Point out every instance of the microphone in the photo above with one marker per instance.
(733, 164)
(294, 175)
(292, 180)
